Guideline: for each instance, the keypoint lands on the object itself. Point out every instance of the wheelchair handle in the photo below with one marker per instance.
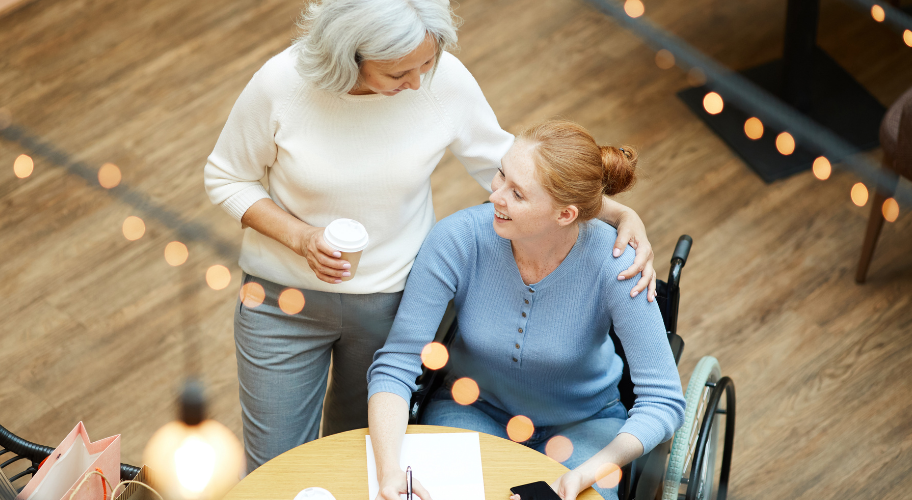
(682, 249)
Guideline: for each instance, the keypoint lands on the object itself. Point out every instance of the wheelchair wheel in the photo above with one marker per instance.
(699, 482)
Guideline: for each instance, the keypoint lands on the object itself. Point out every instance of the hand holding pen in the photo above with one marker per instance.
(393, 485)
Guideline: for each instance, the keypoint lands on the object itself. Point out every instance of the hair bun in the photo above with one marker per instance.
(620, 168)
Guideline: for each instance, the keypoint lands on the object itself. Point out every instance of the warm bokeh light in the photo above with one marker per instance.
(465, 391)
(634, 8)
(6, 118)
(176, 253)
(291, 301)
(907, 37)
(859, 194)
(134, 228)
(23, 166)
(753, 128)
(252, 294)
(822, 168)
(712, 103)
(109, 175)
(520, 428)
(218, 277)
(785, 143)
(559, 448)
(890, 210)
(878, 13)
(665, 59)
(608, 476)
(435, 356)
(696, 77)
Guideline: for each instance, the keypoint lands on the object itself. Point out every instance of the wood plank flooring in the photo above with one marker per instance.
(94, 326)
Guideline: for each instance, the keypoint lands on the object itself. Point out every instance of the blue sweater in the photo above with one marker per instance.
(539, 350)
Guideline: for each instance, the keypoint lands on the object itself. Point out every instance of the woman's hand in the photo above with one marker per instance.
(631, 231)
(394, 485)
(323, 259)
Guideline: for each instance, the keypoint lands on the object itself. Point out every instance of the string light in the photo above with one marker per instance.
(291, 301)
(822, 168)
(23, 166)
(252, 294)
(890, 209)
(907, 37)
(878, 13)
(520, 428)
(785, 143)
(859, 194)
(665, 59)
(753, 128)
(133, 228)
(608, 476)
(218, 277)
(634, 8)
(109, 175)
(465, 391)
(712, 103)
(176, 253)
(559, 448)
(435, 356)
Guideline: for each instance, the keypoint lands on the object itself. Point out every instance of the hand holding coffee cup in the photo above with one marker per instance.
(325, 261)
(349, 238)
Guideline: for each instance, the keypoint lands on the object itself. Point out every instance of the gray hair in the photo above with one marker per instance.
(338, 35)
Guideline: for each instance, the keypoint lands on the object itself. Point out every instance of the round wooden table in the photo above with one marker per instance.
(338, 463)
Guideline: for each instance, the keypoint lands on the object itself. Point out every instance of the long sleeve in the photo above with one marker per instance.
(434, 280)
(479, 141)
(246, 146)
(659, 407)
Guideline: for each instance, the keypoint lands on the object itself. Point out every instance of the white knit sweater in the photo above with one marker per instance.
(322, 157)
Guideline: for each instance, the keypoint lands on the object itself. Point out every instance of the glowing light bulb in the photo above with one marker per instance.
(133, 228)
(435, 356)
(23, 166)
(859, 194)
(465, 391)
(785, 143)
(713, 104)
(520, 428)
(822, 168)
(608, 476)
(218, 277)
(907, 37)
(878, 13)
(753, 128)
(109, 176)
(253, 294)
(176, 253)
(634, 8)
(559, 448)
(291, 301)
(194, 462)
(890, 210)
(665, 59)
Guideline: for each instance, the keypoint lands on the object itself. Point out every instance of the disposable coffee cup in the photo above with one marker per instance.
(348, 237)
(315, 494)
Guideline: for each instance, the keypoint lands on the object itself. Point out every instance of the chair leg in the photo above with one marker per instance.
(875, 224)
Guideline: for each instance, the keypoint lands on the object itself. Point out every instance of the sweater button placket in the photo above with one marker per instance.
(523, 319)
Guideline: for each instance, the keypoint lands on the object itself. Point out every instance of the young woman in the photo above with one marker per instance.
(347, 123)
(535, 293)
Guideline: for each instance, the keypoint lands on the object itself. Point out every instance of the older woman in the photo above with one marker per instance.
(348, 122)
(535, 295)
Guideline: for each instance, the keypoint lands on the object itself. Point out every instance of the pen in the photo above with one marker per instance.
(408, 483)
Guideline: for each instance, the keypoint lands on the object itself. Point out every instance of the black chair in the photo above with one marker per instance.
(689, 459)
(13, 449)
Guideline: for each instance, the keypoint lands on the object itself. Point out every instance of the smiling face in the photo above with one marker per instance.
(522, 207)
(391, 77)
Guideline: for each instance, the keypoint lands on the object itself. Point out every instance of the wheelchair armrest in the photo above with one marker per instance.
(651, 467)
(431, 380)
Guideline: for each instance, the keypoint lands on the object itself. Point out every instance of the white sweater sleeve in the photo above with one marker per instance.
(246, 146)
(479, 143)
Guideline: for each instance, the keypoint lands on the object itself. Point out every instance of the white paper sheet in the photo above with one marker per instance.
(448, 465)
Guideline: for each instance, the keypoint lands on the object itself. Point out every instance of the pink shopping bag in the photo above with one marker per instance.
(65, 468)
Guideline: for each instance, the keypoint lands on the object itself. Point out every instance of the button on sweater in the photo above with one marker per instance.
(539, 350)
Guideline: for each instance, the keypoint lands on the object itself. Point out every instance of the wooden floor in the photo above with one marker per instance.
(94, 326)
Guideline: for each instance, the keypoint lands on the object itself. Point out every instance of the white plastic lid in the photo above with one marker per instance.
(346, 235)
(315, 494)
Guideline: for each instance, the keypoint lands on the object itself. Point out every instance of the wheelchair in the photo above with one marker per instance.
(683, 468)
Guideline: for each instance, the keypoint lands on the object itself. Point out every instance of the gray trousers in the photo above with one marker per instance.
(283, 362)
